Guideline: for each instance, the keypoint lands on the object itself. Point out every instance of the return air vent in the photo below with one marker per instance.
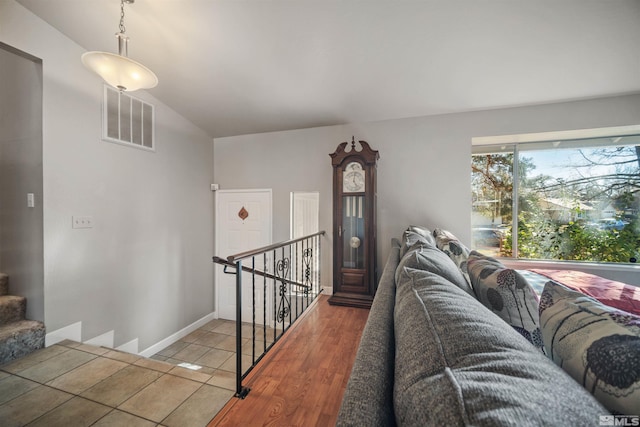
(127, 120)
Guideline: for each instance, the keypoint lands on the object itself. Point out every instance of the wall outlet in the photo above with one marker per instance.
(82, 222)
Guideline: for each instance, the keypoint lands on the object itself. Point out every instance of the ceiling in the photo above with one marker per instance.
(236, 67)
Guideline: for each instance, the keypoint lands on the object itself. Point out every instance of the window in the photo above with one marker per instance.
(127, 120)
(576, 199)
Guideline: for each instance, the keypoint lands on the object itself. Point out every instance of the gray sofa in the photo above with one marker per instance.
(432, 354)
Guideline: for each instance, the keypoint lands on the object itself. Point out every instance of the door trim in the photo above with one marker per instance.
(216, 243)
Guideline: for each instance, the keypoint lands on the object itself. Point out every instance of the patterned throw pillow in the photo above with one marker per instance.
(450, 245)
(505, 292)
(598, 345)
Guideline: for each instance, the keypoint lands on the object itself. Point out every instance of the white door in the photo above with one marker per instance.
(305, 208)
(243, 222)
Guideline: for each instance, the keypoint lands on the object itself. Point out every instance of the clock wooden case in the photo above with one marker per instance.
(354, 224)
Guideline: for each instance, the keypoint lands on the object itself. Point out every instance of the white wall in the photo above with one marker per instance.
(423, 171)
(145, 269)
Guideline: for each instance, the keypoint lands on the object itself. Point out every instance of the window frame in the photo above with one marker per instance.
(502, 142)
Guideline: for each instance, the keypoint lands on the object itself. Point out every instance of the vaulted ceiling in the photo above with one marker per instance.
(246, 66)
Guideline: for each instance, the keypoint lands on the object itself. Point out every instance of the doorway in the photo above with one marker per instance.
(21, 177)
(243, 222)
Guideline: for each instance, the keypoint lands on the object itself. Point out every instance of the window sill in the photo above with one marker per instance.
(627, 273)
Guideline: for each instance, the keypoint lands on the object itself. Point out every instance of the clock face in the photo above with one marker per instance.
(353, 178)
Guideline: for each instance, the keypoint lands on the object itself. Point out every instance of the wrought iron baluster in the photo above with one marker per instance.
(303, 269)
(309, 271)
(253, 317)
(264, 303)
(284, 306)
(319, 269)
(240, 391)
(289, 275)
(309, 274)
(290, 290)
(275, 313)
(308, 262)
(297, 278)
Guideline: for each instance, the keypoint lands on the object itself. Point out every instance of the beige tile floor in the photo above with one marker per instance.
(73, 384)
(212, 347)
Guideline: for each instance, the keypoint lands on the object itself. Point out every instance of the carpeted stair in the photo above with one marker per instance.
(18, 336)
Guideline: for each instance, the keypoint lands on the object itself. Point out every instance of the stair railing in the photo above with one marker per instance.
(285, 280)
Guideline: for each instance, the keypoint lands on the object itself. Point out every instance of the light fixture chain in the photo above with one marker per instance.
(122, 27)
(122, 72)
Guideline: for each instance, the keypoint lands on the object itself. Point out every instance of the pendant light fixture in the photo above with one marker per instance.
(117, 69)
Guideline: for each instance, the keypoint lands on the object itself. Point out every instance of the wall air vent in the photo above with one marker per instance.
(127, 120)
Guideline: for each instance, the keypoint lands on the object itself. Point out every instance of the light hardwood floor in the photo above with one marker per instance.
(302, 380)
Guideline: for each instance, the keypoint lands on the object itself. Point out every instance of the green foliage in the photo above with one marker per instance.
(539, 238)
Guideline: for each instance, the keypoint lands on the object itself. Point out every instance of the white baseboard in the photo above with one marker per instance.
(72, 332)
(129, 347)
(105, 340)
(150, 351)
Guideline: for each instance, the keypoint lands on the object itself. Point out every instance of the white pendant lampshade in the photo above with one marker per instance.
(117, 69)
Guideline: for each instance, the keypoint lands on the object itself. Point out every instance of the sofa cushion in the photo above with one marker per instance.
(459, 364)
(453, 247)
(430, 258)
(505, 292)
(598, 345)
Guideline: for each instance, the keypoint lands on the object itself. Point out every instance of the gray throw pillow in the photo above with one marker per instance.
(420, 230)
(434, 260)
(412, 239)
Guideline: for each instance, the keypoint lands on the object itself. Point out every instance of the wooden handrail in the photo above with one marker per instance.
(254, 252)
(226, 264)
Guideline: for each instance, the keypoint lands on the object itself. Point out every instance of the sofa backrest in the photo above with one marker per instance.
(458, 363)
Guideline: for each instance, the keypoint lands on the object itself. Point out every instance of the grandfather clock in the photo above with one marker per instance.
(354, 225)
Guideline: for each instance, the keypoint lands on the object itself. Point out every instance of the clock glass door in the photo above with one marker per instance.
(353, 231)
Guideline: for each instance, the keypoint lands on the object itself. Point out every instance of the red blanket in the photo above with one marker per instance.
(614, 294)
